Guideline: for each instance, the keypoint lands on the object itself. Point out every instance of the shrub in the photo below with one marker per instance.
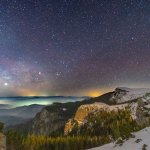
(1, 126)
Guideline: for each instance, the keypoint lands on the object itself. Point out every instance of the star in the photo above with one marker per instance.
(5, 84)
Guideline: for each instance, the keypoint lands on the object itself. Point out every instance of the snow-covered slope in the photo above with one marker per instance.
(142, 137)
(123, 94)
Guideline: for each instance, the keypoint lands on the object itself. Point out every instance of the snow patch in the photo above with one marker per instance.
(123, 94)
(64, 109)
(147, 106)
(143, 136)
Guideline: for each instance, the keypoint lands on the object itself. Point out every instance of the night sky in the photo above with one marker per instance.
(73, 47)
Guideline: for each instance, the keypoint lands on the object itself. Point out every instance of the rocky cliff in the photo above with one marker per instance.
(55, 116)
(2, 142)
(83, 111)
(46, 122)
(140, 111)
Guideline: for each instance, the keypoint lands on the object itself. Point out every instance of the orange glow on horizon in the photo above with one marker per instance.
(95, 94)
(31, 94)
(25, 92)
(90, 93)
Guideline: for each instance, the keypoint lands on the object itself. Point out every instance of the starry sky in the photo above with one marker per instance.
(73, 47)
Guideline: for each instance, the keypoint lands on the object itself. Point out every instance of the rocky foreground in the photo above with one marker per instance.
(2, 142)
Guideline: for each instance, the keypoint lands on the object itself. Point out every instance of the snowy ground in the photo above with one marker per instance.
(130, 94)
(136, 90)
(147, 106)
(143, 136)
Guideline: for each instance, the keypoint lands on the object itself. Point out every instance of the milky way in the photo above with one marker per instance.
(73, 47)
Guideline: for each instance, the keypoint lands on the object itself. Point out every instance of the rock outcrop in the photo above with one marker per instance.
(140, 111)
(84, 110)
(143, 113)
(46, 122)
(2, 142)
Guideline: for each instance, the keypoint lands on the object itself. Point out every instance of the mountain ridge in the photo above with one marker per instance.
(55, 116)
(110, 117)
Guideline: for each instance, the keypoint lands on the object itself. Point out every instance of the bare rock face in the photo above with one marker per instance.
(84, 110)
(81, 114)
(141, 119)
(143, 116)
(138, 112)
(45, 122)
(69, 125)
(2, 142)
